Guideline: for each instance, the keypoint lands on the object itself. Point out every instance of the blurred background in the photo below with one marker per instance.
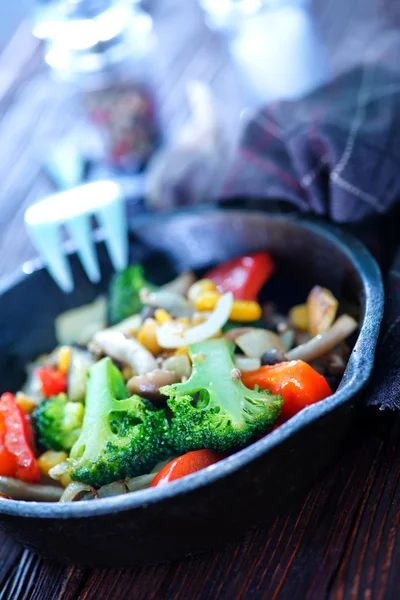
(159, 91)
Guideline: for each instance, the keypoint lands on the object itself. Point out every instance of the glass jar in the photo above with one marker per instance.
(274, 44)
(106, 49)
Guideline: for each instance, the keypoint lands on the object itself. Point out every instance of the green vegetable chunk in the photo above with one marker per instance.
(124, 299)
(57, 423)
(213, 409)
(121, 437)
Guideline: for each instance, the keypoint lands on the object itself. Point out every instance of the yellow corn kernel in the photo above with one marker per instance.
(50, 459)
(298, 317)
(199, 288)
(182, 351)
(245, 311)
(64, 358)
(147, 336)
(162, 316)
(65, 480)
(27, 404)
(183, 321)
(242, 310)
(207, 301)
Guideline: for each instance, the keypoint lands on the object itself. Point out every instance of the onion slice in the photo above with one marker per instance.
(76, 490)
(171, 335)
(244, 363)
(324, 342)
(139, 483)
(257, 341)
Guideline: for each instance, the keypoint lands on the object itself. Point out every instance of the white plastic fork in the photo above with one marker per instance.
(73, 209)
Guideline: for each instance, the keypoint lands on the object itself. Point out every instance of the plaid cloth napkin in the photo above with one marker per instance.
(336, 154)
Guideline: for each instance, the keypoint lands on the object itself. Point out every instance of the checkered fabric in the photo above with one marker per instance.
(336, 154)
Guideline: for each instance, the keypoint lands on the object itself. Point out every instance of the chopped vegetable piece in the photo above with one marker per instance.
(64, 358)
(27, 404)
(244, 276)
(257, 341)
(213, 409)
(121, 437)
(247, 364)
(161, 316)
(174, 335)
(80, 363)
(129, 351)
(173, 303)
(185, 465)
(181, 284)
(242, 310)
(76, 491)
(180, 365)
(58, 423)
(50, 459)
(298, 316)
(124, 295)
(323, 343)
(148, 385)
(20, 490)
(321, 310)
(199, 288)
(298, 384)
(16, 454)
(77, 326)
(147, 336)
(53, 382)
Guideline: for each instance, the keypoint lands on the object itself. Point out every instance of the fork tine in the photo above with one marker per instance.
(80, 230)
(46, 239)
(112, 218)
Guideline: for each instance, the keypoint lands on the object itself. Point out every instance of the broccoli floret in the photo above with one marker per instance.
(57, 423)
(123, 298)
(121, 437)
(213, 409)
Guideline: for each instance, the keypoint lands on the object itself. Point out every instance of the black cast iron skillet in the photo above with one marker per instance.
(210, 507)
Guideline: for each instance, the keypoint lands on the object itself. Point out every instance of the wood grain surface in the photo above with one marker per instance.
(341, 540)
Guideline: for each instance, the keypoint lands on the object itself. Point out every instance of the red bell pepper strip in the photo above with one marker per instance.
(298, 383)
(53, 382)
(185, 465)
(244, 276)
(16, 454)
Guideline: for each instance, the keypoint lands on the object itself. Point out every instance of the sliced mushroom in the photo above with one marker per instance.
(181, 284)
(174, 303)
(20, 490)
(148, 385)
(126, 350)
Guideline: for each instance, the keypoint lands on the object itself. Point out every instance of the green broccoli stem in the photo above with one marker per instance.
(120, 437)
(214, 370)
(106, 392)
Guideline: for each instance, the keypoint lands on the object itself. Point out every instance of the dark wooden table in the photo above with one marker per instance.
(339, 541)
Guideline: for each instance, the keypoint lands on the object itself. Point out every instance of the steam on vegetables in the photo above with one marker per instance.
(166, 381)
